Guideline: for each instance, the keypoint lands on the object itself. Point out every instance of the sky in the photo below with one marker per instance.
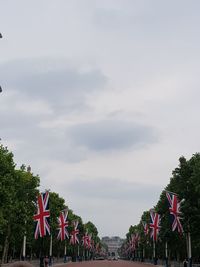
(101, 98)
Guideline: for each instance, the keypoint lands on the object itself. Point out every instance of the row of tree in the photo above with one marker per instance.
(19, 189)
(185, 183)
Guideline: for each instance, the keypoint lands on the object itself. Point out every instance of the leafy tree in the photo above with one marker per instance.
(7, 191)
(18, 195)
(185, 182)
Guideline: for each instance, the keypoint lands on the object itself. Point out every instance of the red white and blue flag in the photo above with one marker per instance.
(74, 234)
(132, 243)
(137, 239)
(85, 240)
(174, 209)
(146, 228)
(154, 225)
(62, 226)
(42, 216)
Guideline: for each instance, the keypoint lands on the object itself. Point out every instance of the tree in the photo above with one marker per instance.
(185, 182)
(7, 191)
(17, 195)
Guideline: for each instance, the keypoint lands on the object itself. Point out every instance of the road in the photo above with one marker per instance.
(105, 263)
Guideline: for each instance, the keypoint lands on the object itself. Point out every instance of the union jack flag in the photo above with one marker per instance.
(43, 213)
(62, 225)
(74, 234)
(154, 224)
(132, 243)
(85, 240)
(146, 228)
(174, 209)
(137, 238)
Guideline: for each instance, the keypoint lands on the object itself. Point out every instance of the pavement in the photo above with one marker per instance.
(105, 263)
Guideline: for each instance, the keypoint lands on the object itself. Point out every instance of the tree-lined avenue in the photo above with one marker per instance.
(105, 263)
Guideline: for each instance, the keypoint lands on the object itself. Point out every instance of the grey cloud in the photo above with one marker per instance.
(52, 80)
(112, 135)
(38, 143)
(72, 144)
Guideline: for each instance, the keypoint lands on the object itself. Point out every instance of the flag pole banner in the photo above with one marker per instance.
(174, 209)
(154, 224)
(62, 225)
(74, 234)
(42, 216)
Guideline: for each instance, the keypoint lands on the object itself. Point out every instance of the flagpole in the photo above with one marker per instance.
(65, 253)
(24, 248)
(154, 253)
(166, 253)
(189, 250)
(78, 252)
(41, 253)
(143, 254)
(84, 253)
(50, 251)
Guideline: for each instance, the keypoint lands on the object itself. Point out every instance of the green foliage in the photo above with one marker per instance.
(185, 182)
(18, 195)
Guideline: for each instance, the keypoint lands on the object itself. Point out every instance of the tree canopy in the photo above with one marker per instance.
(185, 182)
(19, 189)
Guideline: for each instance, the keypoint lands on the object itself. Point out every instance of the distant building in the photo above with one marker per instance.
(113, 243)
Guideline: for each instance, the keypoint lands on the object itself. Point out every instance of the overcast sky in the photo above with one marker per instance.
(101, 98)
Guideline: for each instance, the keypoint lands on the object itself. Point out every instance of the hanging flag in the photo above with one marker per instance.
(146, 228)
(154, 225)
(85, 239)
(74, 234)
(174, 209)
(42, 216)
(137, 239)
(90, 242)
(62, 226)
(132, 243)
